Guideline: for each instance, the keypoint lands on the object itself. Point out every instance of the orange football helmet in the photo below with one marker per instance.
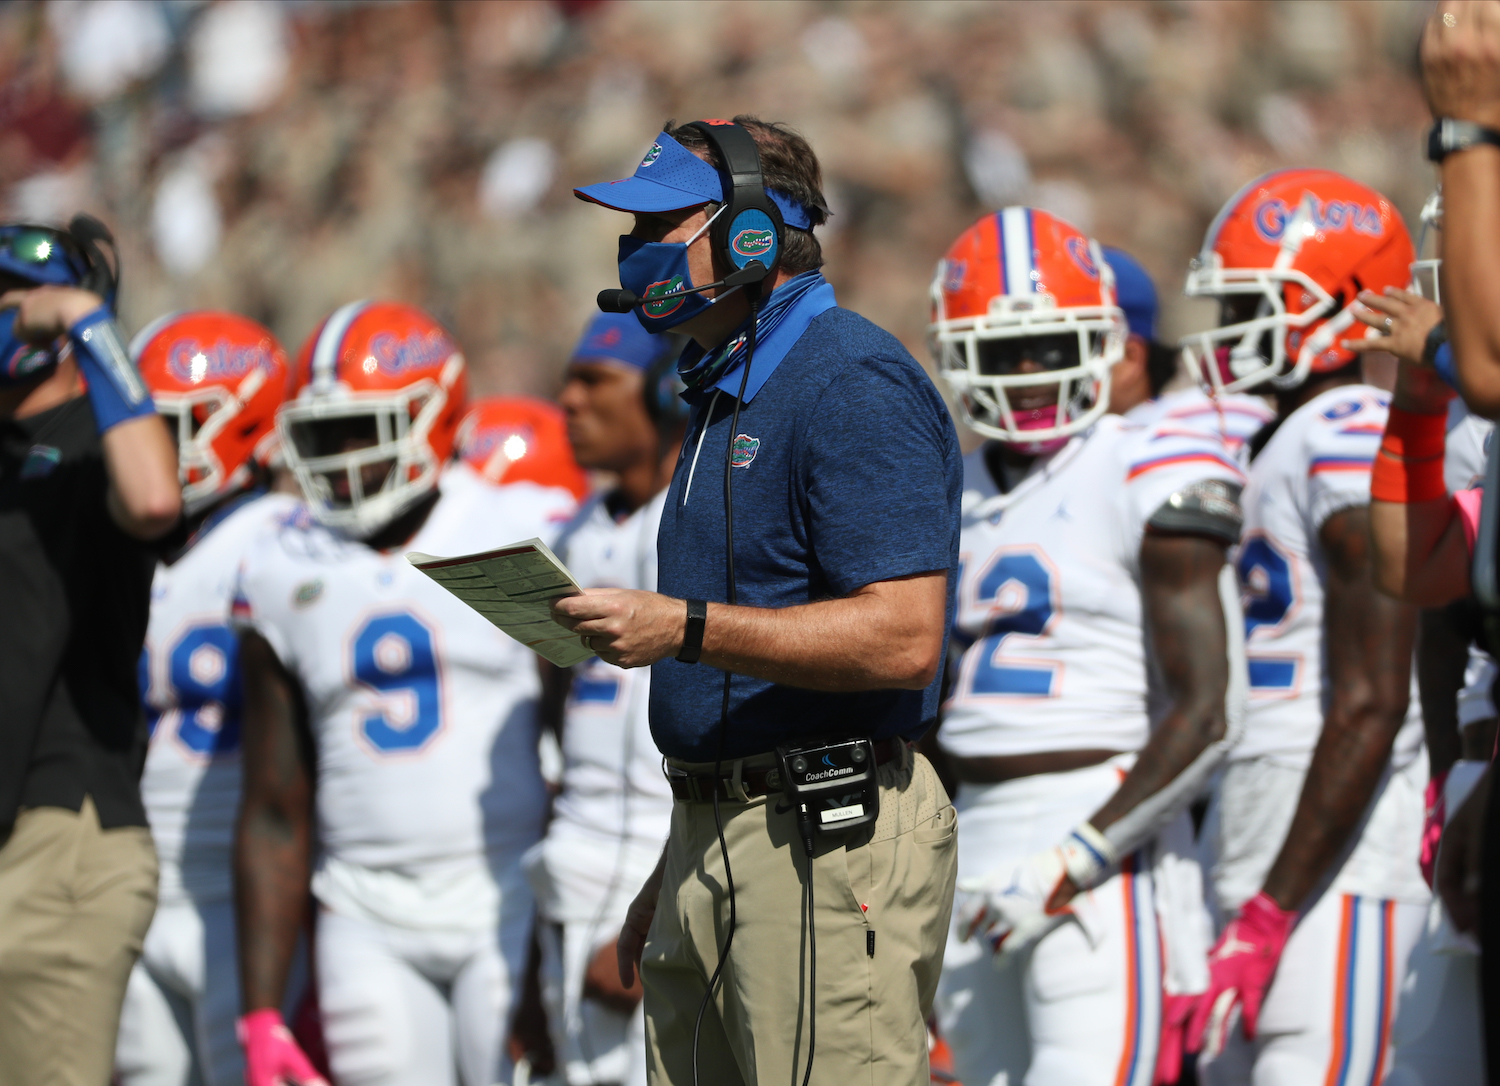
(217, 378)
(1021, 282)
(1286, 258)
(515, 439)
(381, 389)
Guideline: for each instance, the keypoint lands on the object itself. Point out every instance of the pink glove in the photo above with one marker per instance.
(1176, 1011)
(1432, 825)
(1240, 969)
(272, 1057)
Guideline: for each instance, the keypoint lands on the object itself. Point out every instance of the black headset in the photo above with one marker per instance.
(750, 226)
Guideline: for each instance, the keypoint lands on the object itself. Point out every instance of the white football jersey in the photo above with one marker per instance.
(612, 781)
(1049, 605)
(190, 688)
(1234, 417)
(1467, 448)
(1317, 464)
(423, 714)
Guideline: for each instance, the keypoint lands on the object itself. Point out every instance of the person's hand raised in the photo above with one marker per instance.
(1461, 61)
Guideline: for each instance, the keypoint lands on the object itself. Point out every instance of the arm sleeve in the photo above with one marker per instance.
(1340, 453)
(882, 476)
(1468, 503)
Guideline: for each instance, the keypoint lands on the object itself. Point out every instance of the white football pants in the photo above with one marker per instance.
(403, 1007)
(1082, 1007)
(177, 1023)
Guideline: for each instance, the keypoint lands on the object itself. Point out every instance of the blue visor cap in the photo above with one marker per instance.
(619, 337)
(671, 178)
(1135, 293)
(41, 255)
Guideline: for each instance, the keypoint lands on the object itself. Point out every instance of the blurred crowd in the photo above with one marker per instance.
(278, 159)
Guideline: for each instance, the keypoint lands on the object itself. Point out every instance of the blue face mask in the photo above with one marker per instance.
(21, 361)
(660, 267)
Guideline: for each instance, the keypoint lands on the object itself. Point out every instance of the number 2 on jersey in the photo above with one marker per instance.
(1266, 580)
(1018, 584)
(394, 656)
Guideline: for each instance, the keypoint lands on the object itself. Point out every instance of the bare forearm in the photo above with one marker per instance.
(273, 838)
(1186, 620)
(835, 645)
(1420, 553)
(1346, 767)
(271, 896)
(1471, 273)
(145, 497)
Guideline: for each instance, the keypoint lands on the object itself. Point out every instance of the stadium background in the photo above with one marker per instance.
(281, 159)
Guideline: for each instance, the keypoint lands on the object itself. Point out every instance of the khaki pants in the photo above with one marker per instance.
(75, 903)
(892, 883)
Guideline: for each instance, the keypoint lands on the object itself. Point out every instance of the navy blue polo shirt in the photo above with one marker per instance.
(849, 473)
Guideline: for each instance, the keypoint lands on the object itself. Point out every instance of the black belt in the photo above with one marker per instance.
(757, 780)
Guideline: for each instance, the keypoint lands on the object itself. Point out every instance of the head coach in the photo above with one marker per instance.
(807, 554)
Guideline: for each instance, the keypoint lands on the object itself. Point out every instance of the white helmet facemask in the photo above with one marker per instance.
(336, 435)
(977, 357)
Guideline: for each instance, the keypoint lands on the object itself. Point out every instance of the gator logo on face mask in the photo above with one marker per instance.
(651, 156)
(670, 305)
(744, 450)
(751, 243)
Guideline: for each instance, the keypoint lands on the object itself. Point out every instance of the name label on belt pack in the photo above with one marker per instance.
(840, 814)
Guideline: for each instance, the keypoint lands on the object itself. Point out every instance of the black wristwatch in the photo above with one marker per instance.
(1448, 136)
(692, 636)
(1435, 339)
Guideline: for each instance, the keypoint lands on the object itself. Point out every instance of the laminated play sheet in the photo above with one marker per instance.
(513, 588)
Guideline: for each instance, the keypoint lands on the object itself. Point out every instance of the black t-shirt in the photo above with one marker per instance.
(76, 594)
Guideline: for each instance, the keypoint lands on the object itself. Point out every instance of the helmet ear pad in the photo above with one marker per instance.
(750, 228)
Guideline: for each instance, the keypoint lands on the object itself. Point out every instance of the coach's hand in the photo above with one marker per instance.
(44, 313)
(1397, 321)
(625, 626)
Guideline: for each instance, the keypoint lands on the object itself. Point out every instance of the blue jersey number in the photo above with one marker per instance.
(203, 669)
(1266, 578)
(1025, 582)
(393, 655)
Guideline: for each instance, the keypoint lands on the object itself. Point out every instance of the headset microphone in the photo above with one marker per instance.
(623, 301)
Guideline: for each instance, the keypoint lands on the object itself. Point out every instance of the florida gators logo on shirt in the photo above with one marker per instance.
(753, 242)
(744, 450)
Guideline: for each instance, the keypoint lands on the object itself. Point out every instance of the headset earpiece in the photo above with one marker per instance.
(102, 278)
(750, 228)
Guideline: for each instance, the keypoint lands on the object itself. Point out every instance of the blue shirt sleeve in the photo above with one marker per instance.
(883, 476)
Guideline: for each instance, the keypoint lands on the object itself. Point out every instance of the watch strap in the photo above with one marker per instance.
(1435, 339)
(1449, 136)
(692, 636)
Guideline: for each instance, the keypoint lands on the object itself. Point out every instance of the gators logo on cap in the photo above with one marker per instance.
(744, 450)
(670, 305)
(651, 156)
(753, 242)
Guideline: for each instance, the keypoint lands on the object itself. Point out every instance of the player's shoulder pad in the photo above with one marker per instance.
(1207, 507)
